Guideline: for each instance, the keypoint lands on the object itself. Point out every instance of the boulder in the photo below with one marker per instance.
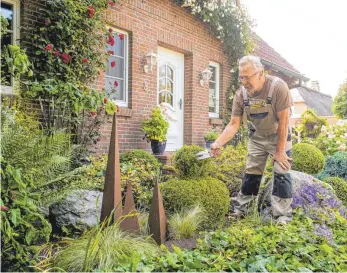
(80, 209)
(308, 193)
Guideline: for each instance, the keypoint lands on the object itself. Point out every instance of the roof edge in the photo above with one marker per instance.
(284, 70)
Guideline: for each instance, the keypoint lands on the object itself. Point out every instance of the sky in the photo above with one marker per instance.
(310, 34)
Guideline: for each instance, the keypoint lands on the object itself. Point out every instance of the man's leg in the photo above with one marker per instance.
(255, 165)
(281, 198)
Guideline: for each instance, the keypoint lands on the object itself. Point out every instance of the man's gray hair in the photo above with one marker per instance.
(255, 61)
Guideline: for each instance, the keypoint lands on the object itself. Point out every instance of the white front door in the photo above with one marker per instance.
(170, 94)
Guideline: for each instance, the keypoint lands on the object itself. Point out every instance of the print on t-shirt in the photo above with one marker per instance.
(257, 103)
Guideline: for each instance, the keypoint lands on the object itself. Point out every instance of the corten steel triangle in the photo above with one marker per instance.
(157, 218)
(130, 223)
(112, 198)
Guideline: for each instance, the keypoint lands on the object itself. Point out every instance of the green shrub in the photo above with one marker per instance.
(230, 166)
(336, 165)
(311, 124)
(156, 126)
(340, 187)
(211, 135)
(188, 165)
(137, 166)
(208, 192)
(307, 158)
(183, 225)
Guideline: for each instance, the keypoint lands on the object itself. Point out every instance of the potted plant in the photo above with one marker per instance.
(156, 128)
(210, 137)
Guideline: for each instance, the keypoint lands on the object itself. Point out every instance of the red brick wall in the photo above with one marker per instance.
(153, 23)
(31, 15)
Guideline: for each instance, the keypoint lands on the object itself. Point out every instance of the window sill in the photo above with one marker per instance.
(216, 121)
(124, 112)
(7, 90)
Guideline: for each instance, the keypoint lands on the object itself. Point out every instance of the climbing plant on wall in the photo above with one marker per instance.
(230, 24)
(68, 51)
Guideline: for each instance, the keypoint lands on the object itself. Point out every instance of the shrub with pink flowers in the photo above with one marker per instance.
(332, 138)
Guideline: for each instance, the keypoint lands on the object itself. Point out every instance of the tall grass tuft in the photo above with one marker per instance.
(102, 249)
(183, 225)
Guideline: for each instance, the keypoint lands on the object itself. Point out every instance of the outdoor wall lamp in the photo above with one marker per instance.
(205, 76)
(151, 60)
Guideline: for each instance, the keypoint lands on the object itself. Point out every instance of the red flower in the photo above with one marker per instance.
(121, 36)
(49, 47)
(110, 30)
(91, 11)
(65, 57)
(115, 83)
(84, 60)
(93, 113)
(113, 64)
(111, 3)
(111, 52)
(47, 21)
(110, 40)
(117, 108)
(105, 100)
(98, 139)
(56, 53)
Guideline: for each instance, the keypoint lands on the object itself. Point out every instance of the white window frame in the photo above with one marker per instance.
(5, 89)
(217, 67)
(122, 103)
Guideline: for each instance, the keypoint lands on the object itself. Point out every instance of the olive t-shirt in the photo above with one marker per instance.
(281, 97)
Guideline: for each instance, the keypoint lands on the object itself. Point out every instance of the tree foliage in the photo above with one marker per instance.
(340, 102)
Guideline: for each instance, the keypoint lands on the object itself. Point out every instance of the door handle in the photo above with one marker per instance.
(180, 104)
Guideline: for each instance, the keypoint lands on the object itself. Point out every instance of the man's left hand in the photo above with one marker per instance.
(283, 160)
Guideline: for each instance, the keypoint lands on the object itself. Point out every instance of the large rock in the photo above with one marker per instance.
(305, 186)
(80, 209)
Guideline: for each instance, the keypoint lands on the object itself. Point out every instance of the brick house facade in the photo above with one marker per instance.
(166, 29)
(184, 47)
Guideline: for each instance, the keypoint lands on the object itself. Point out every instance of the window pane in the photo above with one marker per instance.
(162, 71)
(162, 97)
(213, 70)
(169, 85)
(7, 12)
(169, 72)
(112, 91)
(169, 99)
(162, 84)
(212, 98)
(5, 75)
(117, 70)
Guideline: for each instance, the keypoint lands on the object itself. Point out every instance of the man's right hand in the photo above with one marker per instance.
(215, 149)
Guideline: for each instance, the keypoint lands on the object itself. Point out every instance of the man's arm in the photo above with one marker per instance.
(282, 132)
(228, 133)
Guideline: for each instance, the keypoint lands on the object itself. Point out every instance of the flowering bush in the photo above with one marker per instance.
(67, 54)
(69, 46)
(332, 138)
(318, 202)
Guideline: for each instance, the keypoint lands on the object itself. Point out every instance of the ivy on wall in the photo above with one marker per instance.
(230, 24)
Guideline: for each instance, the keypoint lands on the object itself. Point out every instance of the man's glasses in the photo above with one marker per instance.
(247, 78)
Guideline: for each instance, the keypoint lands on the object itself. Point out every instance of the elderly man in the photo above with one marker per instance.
(266, 101)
